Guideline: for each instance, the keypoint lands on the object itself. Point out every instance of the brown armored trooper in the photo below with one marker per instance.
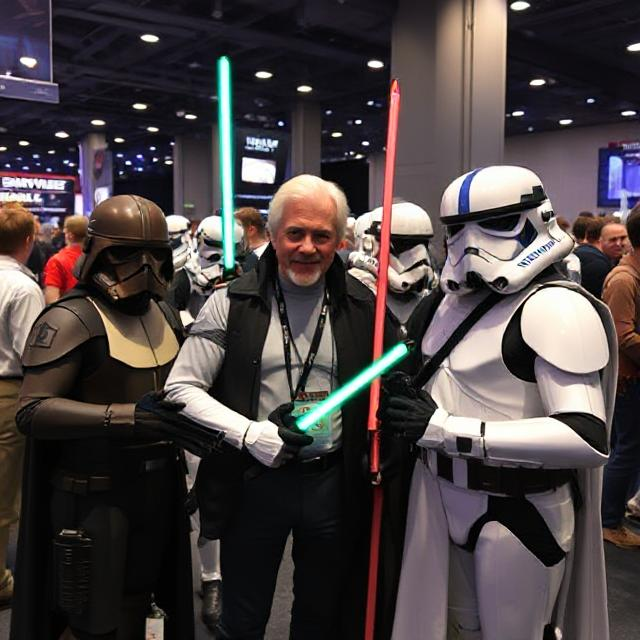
(104, 535)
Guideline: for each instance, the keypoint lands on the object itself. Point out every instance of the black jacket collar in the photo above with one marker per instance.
(256, 283)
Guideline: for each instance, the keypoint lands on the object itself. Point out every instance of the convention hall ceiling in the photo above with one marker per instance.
(578, 47)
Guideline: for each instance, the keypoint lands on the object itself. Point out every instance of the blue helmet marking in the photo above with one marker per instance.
(463, 196)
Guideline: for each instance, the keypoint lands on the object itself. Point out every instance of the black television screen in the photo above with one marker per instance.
(618, 173)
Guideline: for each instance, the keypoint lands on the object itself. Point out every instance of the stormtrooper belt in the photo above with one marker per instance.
(477, 476)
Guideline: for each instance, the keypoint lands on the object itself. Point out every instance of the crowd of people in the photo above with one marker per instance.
(145, 391)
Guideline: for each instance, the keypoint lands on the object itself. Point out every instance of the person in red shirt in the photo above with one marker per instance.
(58, 272)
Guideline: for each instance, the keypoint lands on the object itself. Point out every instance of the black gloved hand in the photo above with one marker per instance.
(404, 410)
(293, 438)
(159, 419)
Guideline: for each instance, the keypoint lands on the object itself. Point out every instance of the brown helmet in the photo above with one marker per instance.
(127, 249)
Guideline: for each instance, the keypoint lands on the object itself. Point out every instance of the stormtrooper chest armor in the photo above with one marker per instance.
(474, 380)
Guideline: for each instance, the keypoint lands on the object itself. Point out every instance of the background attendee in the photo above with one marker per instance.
(622, 294)
(579, 228)
(613, 240)
(58, 272)
(594, 264)
(255, 237)
(20, 303)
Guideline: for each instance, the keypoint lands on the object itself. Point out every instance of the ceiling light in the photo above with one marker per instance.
(25, 168)
(154, 159)
(357, 121)
(365, 143)
(190, 116)
(118, 140)
(375, 64)
(328, 112)
(590, 100)
(61, 134)
(23, 143)
(518, 113)
(119, 155)
(128, 163)
(139, 156)
(336, 134)
(168, 162)
(152, 148)
(172, 143)
(529, 129)
(565, 121)
(3, 148)
(98, 123)
(359, 156)
(537, 82)
(36, 156)
(139, 106)
(153, 129)
(264, 75)
(48, 169)
(72, 164)
(633, 47)
(304, 88)
(149, 37)
(281, 123)
(519, 5)
(51, 152)
(28, 62)
(628, 113)
(65, 161)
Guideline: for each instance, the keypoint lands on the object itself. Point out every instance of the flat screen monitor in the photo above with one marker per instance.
(258, 170)
(618, 173)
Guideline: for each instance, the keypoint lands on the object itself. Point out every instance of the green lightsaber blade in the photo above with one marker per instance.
(354, 386)
(225, 137)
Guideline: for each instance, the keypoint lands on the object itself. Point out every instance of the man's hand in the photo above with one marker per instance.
(404, 410)
(276, 440)
(159, 419)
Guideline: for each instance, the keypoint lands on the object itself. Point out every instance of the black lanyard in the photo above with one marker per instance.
(287, 340)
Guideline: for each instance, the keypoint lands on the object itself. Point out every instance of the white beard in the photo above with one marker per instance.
(306, 280)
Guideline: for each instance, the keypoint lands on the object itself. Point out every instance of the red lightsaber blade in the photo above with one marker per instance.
(378, 343)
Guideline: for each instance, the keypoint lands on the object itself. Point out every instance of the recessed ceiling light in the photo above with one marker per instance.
(149, 37)
(119, 155)
(96, 122)
(537, 82)
(518, 113)
(72, 164)
(357, 121)
(139, 106)
(633, 47)
(264, 75)
(172, 143)
(3, 148)
(359, 156)
(365, 143)
(48, 169)
(519, 5)
(529, 129)
(128, 163)
(370, 103)
(154, 159)
(118, 140)
(590, 100)
(61, 134)
(169, 162)
(65, 161)
(24, 143)
(328, 112)
(36, 156)
(139, 156)
(375, 64)
(51, 152)
(281, 123)
(628, 113)
(7, 166)
(153, 129)
(152, 148)
(304, 88)
(190, 116)
(336, 134)
(28, 62)
(565, 121)
(25, 168)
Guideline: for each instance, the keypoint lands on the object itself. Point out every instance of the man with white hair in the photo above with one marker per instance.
(264, 349)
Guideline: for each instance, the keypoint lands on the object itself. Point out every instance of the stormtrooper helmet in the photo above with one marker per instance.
(410, 266)
(179, 239)
(501, 230)
(210, 264)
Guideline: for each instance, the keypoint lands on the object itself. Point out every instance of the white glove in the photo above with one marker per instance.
(264, 444)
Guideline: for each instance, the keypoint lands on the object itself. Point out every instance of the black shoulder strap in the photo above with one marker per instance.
(173, 318)
(432, 364)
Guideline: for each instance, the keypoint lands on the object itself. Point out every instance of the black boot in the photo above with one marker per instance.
(211, 602)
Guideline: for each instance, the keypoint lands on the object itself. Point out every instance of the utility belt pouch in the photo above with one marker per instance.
(72, 570)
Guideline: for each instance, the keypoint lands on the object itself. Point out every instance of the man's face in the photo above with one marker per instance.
(306, 239)
(612, 240)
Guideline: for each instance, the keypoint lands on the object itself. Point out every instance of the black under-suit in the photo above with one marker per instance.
(126, 494)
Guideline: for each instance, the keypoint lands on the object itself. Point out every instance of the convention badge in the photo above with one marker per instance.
(320, 430)
(154, 624)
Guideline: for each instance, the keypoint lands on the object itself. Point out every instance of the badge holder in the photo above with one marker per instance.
(154, 624)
